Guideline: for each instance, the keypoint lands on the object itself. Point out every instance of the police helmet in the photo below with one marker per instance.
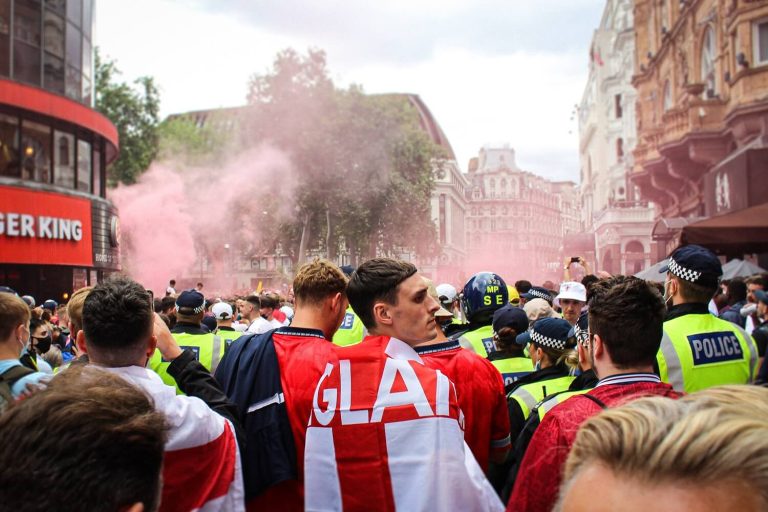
(484, 293)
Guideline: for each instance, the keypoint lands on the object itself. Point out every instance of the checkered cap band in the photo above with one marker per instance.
(537, 293)
(682, 272)
(197, 310)
(547, 342)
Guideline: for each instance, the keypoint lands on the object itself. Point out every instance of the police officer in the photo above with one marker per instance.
(224, 315)
(207, 347)
(699, 350)
(509, 357)
(351, 331)
(550, 348)
(536, 292)
(484, 293)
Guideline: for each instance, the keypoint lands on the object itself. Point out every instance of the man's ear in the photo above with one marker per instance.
(597, 347)
(336, 301)
(382, 313)
(80, 342)
(151, 346)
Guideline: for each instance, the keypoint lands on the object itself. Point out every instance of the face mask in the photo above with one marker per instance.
(537, 366)
(43, 345)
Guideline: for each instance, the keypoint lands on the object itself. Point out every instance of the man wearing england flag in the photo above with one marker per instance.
(385, 431)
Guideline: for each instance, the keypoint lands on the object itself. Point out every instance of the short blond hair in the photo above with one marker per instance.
(715, 434)
(317, 280)
(75, 308)
(13, 313)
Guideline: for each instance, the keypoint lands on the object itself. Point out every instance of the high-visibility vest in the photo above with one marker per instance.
(208, 349)
(551, 401)
(528, 395)
(512, 368)
(351, 330)
(480, 340)
(699, 351)
(227, 336)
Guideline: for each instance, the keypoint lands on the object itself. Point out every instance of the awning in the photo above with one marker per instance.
(739, 232)
(668, 227)
(652, 273)
(740, 268)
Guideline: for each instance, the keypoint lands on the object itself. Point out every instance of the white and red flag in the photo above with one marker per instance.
(201, 466)
(386, 433)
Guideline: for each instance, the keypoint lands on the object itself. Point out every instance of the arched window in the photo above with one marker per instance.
(619, 148)
(708, 64)
(667, 102)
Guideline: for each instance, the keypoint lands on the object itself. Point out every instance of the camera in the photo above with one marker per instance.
(575, 259)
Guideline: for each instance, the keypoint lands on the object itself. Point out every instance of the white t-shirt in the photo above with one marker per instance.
(260, 325)
(170, 291)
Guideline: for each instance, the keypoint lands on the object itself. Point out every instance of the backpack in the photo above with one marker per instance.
(7, 379)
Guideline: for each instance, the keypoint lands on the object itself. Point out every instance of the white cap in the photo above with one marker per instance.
(222, 311)
(447, 291)
(572, 290)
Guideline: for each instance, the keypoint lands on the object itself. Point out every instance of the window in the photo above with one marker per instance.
(708, 64)
(53, 74)
(667, 96)
(64, 158)
(35, 152)
(9, 146)
(53, 34)
(97, 173)
(617, 106)
(74, 11)
(84, 166)
(619, 148)
(760, 42)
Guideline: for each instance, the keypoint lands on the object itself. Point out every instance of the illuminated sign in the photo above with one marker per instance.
(44, 228)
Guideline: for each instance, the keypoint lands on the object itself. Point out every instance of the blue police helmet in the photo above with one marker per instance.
(484, 293)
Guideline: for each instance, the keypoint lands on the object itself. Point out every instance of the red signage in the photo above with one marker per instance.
(44, 228)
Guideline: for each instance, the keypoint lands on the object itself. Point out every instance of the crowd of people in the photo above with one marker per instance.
(376, 389)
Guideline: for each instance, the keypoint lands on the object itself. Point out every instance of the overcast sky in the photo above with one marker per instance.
(491, 71)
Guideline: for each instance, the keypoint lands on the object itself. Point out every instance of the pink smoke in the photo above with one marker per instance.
(172, 212)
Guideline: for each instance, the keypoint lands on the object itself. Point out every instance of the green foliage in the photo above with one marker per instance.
(134, 109)
(182, 141)
(366, 167)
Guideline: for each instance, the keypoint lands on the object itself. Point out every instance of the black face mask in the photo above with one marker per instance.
(42, 345)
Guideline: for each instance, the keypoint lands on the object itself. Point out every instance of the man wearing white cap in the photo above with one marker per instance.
(572, 299)
(224, 316)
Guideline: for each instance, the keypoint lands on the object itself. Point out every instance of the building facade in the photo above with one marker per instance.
(701, 74)
(613, 212)
(57, 230)
(517, 221)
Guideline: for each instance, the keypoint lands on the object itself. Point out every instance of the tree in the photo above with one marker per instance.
(134, 109)
(366, 168)
(182, 141)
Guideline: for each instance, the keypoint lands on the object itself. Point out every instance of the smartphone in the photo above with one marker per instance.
(575, 259)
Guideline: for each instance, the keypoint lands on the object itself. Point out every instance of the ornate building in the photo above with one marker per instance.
(612, 212)
(517, 220)
(701, 74)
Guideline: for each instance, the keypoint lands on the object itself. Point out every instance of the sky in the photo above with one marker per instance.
(490, 71)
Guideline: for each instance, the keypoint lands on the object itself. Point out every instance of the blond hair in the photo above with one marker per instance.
(13, 313)
(317, 280)
(716, 434)
(75, 309)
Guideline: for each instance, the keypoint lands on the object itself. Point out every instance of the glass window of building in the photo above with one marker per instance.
(53, 74)
(74, 11)
(87, 18)
(760, 41)
(5, 35)
(667, 102)
(64, 158)
(74, 47)
(97, 173)
(9, 146)
(53, 34)
(708, 63)
(83, 166)
(27, 21)
(35, 152)
(56, 5)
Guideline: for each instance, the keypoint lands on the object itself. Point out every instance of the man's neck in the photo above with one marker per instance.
(608, 370)
(312, 318)
(440, 338)
(9, 350)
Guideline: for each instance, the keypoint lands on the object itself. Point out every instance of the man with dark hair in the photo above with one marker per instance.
(201, 464)
(258, 310)
(171, 290)
(625, 329)
(271, 377)
(89, 442)
(385, 430)
(737, 299)
(699, 350)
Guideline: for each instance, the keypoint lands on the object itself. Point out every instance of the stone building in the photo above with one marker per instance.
(701, 74)
(517, 220)
(619, 221)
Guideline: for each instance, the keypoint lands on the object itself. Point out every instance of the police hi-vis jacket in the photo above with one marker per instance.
(699, 350)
